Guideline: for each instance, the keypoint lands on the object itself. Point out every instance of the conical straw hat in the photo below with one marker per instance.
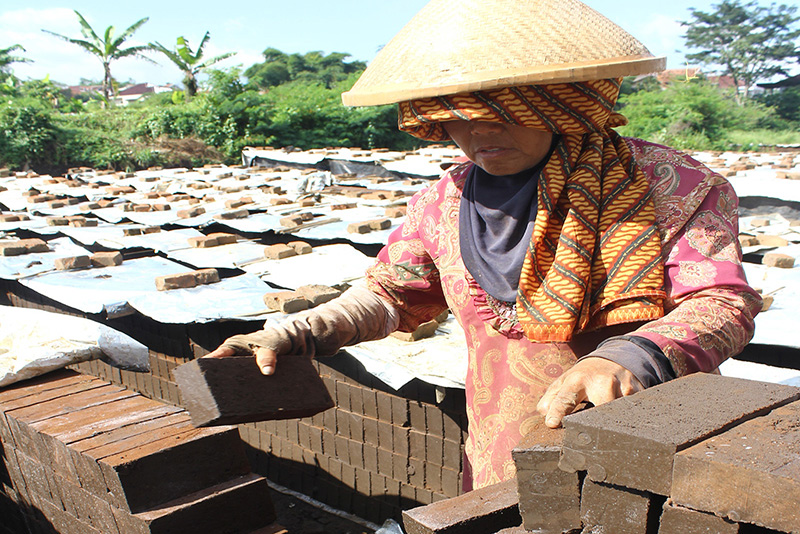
(456, 46)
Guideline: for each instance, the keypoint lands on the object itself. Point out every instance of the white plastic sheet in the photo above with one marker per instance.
(33, 342)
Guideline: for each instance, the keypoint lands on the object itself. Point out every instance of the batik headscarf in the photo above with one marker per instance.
(595, 254)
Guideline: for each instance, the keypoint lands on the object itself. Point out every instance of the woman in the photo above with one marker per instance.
(583, 266)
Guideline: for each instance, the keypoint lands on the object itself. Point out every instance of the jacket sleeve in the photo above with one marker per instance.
(710, 308)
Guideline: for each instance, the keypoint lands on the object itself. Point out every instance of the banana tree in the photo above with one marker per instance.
(108, 48)
(190, 63)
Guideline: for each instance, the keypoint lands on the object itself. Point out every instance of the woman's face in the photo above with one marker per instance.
(500, 148)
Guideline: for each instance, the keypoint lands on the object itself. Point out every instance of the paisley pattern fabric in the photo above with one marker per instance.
(594, 258)
(709, 307)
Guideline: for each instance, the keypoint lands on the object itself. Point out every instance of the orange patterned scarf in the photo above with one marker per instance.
(595, 253)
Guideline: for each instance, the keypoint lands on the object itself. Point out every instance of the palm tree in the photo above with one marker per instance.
(6, 59)
(107, 49)
(190, 62)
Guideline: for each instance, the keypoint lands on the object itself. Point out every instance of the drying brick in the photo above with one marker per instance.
(233, 390)
(191, 212)
(301, 247)
(234, 214)
(241, 504)
(631, 441)
(425, 330)
(73, 262)
(749, 473)
(224, 238)
(775, 259)
(279, 251)
(679, 520)
(484, 510)
(549, 498)
(203, 241)
(106, 259)
(614, 509)
(285, 301)
(395, 212)
(318, 294)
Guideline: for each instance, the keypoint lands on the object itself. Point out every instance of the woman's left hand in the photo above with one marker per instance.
(595, 380)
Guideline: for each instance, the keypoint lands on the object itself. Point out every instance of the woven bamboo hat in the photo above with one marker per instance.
(458, 46)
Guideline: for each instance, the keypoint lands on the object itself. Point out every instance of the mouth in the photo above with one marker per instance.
(490, 151)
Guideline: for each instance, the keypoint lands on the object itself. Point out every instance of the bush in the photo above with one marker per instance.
(28, 137)
(694, 115)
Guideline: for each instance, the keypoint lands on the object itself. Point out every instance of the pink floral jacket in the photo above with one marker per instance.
(708, 313)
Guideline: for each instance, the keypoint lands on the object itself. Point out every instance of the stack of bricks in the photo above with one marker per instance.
(702, 454)
(82, 456)
(375, 469)
(375, 454)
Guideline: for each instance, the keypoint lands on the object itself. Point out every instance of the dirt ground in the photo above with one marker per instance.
(299, 517)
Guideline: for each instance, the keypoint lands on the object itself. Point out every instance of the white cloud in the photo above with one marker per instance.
(663, 35)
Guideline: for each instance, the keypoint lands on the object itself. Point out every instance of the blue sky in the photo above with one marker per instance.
(248, 27)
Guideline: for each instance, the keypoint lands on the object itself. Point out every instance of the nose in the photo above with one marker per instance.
(484, 127)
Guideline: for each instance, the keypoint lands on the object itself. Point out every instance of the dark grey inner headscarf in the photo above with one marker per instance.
(495, 226)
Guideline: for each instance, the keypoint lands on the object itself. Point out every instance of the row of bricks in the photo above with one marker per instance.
(111, 441)
(241, 504)
(343, 486)
(320, 447)
(149, 385)
(638, 452)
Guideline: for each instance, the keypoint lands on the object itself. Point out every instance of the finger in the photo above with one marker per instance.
(266, 359)
(564, 403)
(221, 352)
(543, 406)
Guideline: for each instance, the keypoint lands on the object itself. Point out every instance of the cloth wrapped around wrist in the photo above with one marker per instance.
(357, 315)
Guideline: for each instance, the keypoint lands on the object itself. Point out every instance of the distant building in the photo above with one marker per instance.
(134, 92)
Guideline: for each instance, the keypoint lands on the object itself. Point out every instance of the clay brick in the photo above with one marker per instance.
(73, 262)
(234, 214)
(203, 241)
(187, 280)
(82, 222)
(379, 224)
(614, 509)
(679, 520)
(275, 201)
(771, 240)
(484, 510)
(395, 212)
(291, 221)
(241, 504)
(285, 301)
(774, 259)
(631, 441)
(359, 228)
(549, 498)
(318, 294)
(748, 474)
(301, 247)
(344, 206)
(12, 248)
(233, 204)
(425, 330)
(192, 212)
(162, 207)
(190, 459)
(106, 259)
(233, 390)
(224, 238)
(151, 230)
(57, 221)
(766, 302)
(279, 251)
(747, 240)
(759, 222)
(131, 231)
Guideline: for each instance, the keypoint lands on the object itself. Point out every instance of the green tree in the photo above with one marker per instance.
(108, 48)
(312, 67)
(190, 63)
(749, 42)
(6, 58)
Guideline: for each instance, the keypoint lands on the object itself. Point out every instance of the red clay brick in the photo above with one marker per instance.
(301, 247)
(224, 238)
(317, 294)
(286, 301)
(203, 241)
(631, 441)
